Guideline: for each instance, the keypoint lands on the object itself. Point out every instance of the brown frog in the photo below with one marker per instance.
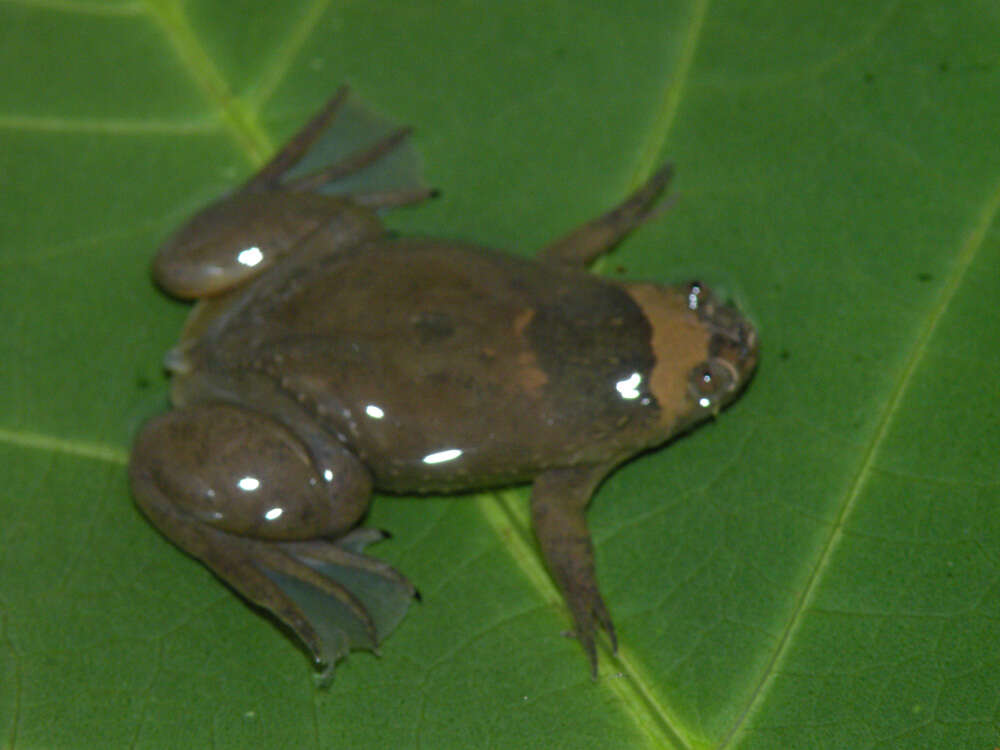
(327, 358)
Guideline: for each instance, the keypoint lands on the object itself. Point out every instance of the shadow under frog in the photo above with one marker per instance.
(326, 359)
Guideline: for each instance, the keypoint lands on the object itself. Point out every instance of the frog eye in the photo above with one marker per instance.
(711, 381)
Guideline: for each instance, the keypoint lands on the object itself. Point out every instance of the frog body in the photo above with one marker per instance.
(353, 360)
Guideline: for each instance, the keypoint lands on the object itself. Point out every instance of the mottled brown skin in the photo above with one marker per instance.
(348, 360)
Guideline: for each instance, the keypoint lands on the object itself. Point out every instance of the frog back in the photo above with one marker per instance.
(447, 366)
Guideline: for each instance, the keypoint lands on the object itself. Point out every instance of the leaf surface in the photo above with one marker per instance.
(817, 569)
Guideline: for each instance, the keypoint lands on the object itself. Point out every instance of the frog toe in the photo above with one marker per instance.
(350, 150)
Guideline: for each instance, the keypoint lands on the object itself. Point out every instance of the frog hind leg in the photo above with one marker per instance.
(584, 244)
(316, 581)
(332, 597)
(559, 499)
(348, 150)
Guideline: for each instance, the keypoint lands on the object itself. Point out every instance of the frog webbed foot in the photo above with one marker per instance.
(558, 501)
(332, 597)
(347, 600)
(347, 149)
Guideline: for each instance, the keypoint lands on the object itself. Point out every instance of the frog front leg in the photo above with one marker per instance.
(559, 499)
(245, 496)
(583, 245)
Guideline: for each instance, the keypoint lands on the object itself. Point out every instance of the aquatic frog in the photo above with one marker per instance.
(328, 358)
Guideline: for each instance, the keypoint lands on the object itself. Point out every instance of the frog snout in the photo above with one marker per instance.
(734, 342)
(732, 348)
(733, 338)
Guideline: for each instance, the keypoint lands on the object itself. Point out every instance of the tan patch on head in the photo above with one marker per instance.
(679, 342)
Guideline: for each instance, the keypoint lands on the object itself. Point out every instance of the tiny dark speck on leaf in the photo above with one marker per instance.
(141, 382)
(620, 269)
(869, 77)
(943, 66)
(924, 276)
(784, 354)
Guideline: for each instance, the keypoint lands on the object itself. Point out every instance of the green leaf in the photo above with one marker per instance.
(820, 568)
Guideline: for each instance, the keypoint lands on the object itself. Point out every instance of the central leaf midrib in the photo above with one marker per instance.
(243, 123)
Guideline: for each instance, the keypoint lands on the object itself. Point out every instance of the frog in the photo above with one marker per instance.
(327, 358)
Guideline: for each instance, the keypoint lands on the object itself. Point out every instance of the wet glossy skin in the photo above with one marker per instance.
(346, 360)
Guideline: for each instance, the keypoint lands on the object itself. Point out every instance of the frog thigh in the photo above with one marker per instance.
(585, 244)
(559, 499)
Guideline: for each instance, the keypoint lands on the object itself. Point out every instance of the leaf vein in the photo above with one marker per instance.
(243, 123)
(649, 150)
(104, 125)
(38, 441)
(285, 53)
(82, 7)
